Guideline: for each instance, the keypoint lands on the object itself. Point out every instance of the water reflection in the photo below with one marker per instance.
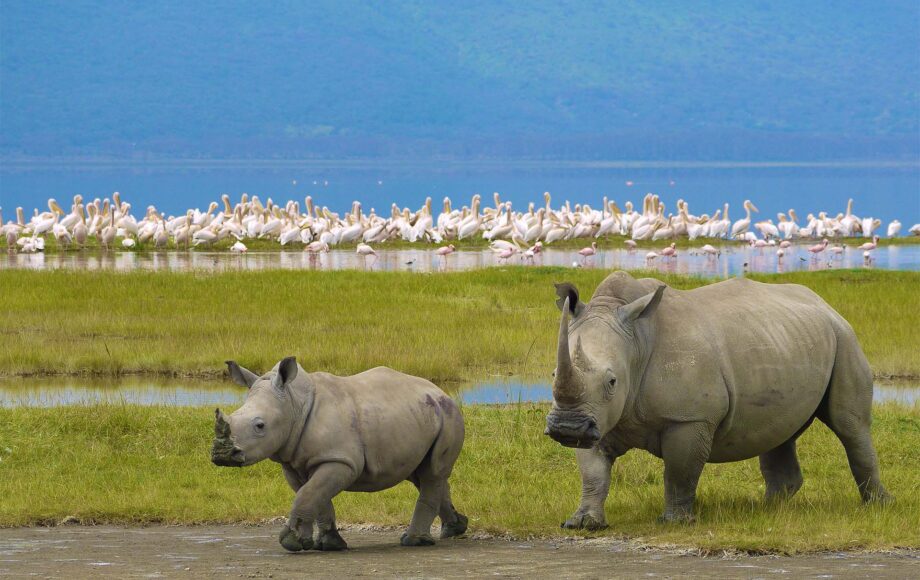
(731, 261)
(53, 392)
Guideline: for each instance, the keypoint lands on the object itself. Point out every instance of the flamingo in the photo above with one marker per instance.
(238, 248)
(630, 245)
(710, 250)
(818, 248)
(365, 250)
(870, 245)
(587, 252)
(670, 251)
(505, 254)
(316, 246)
(445, 250)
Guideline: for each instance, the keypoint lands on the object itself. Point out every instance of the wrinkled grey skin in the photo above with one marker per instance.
(725, 372)
(366, 432)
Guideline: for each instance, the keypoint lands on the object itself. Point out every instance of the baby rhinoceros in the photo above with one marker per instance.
(366, 432)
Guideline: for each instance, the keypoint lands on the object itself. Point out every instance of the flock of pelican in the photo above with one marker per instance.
(510, 232)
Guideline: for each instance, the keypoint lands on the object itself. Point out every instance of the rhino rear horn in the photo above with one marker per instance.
(241, 376)
(568, 291)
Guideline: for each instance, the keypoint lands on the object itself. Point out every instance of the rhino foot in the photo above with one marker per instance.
(419, 540)
(292, 542)
(331, 541)
(677, 516)
(584, 522)
(458, 528)
(881, 497)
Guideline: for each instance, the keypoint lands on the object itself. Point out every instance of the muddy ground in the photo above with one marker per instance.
(253, 552)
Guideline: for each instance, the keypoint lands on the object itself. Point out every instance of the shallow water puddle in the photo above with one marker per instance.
(732, 260)
(54, 392)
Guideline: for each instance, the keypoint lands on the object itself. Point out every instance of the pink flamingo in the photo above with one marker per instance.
(533, 251)
(868, 246)
(710, 250)
(785, 244)
(365, 251)
(587, 252)
(445, 250)
(818, 248)
(670, 251)
(630, 245)
(505, 254)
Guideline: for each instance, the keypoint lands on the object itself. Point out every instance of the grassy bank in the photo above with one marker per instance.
(445, 327)
(93, 247)
(116, 463)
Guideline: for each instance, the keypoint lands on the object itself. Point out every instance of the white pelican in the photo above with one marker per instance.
(741, 226)
(894, 228)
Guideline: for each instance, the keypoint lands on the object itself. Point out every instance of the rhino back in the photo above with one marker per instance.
(754, 359)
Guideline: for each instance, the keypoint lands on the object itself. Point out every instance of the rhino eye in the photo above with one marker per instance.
(610, 386)
(258, 426)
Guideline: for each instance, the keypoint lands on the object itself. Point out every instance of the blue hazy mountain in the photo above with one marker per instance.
(656, 80)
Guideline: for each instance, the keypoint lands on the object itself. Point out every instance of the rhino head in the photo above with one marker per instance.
(599, 359)
(264, 424)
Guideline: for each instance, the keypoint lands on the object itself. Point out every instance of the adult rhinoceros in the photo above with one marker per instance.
(366, 432)
(721, 373)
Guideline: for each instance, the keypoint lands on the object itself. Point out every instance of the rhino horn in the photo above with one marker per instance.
(221, 425)
(563, 386)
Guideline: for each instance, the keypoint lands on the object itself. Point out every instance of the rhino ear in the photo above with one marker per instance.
(641, 307)
(568, 290)
(287, 371)
(241, 376)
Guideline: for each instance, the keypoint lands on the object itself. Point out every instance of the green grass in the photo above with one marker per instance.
(445, 327)
(129, 464)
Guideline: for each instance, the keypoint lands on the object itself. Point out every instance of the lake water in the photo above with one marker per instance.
(885, 191)
(733, 260)
(50, 392)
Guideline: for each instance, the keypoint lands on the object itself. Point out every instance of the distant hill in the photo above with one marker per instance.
(652, 80)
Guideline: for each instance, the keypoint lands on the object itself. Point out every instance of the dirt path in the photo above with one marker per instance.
(253, 552)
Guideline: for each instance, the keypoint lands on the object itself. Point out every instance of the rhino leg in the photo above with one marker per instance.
(329, 539)
(311, 503)
(685, 449)
(433, 490)
(594, 465)
(453, 523)
(430, 495)
(781, 471)
(847, 410)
